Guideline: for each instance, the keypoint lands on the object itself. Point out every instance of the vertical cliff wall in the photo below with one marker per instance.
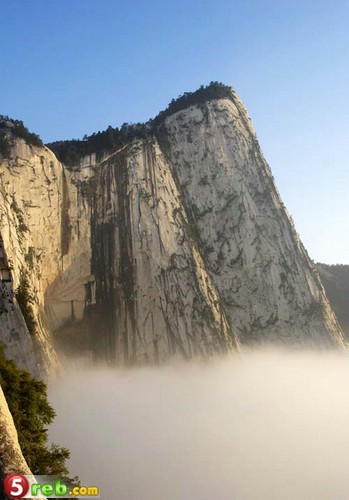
(151, 283)
(45, 234)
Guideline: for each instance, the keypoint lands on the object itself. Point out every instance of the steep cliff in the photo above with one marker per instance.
(268, 286)
(30, 202)
(170, 239)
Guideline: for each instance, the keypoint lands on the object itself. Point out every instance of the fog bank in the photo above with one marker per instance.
(266, 426)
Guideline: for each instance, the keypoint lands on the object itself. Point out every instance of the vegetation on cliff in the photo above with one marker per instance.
(215, 90)
(70, 152)
(32, 413)
(10, 127)
(25, 300)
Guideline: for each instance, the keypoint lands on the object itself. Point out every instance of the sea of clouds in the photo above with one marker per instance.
(266, 425)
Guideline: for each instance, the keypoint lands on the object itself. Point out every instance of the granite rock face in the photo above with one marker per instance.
(268, 286)
(176, 244)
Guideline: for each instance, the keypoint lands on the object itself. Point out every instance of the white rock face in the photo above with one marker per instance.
(180, 247)
(46, 236)
(14, 332)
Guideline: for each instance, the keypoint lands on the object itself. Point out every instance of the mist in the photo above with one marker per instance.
(266, 425)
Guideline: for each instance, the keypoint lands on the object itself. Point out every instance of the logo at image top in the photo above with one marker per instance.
(16, 486)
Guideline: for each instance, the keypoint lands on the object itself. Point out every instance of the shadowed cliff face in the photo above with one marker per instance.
(174, 245)
(336, 282)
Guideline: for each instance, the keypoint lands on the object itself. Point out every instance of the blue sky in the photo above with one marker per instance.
(71, 67)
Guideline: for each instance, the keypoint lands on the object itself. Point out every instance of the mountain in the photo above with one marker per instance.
(335, 279)
(158, 240)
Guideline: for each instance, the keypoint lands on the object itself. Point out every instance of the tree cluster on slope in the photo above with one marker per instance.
(70, 152)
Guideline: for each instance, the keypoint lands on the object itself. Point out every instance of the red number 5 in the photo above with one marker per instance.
(16, 486)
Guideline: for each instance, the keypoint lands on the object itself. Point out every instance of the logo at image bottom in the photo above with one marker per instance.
(20, 486)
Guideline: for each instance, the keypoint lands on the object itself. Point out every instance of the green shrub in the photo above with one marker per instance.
(18, 129)
(25, 301)
(4, 145)
(22, 227)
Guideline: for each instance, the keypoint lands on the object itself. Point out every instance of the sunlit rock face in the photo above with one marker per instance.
(14, 332)
(268, 287)
(175, 245)
(29, 225)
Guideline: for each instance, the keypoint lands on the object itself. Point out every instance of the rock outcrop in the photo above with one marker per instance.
(174, 243)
